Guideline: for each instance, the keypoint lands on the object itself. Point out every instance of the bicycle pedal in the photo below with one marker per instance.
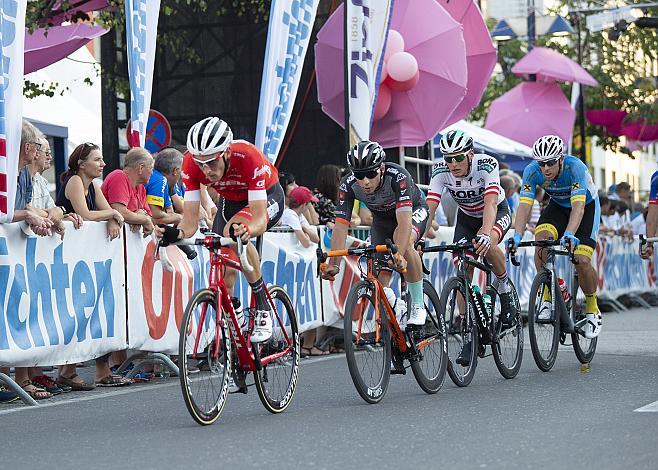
(481, 351)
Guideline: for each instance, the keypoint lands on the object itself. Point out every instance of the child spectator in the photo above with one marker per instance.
(293, 216)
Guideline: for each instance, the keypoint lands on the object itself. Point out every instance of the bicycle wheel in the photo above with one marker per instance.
(367, 343)
(429, 367)
(277, 380)
(583, 347)
(544, 335)
(204, 392)
(507, 345)
(460, 330)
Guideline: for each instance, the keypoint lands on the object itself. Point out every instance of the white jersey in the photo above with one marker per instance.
(469, 191)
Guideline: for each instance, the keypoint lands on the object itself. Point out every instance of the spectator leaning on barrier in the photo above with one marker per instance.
(288, 183)
(124, 190)
(166, 173)
(82, 194)
(625, 192)
(293, 216)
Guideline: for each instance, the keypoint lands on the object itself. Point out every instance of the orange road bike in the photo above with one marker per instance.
(373, 337)
(211, 334)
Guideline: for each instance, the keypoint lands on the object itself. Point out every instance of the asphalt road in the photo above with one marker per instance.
(561, 419)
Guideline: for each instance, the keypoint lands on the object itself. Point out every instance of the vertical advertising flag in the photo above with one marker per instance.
(141, 35)
(290, 27)
(12, 31)
(366, 30)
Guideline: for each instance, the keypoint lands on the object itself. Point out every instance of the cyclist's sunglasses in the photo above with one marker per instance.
(549, 162)
(370, 174)
(460, 157)
(211, 163)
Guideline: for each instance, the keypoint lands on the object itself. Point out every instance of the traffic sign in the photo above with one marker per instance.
(158, 132)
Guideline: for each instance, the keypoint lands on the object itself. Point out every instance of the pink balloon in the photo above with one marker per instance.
(394, 43)
(404, 86)
(402, 66)
(384, 74)
(383, 103)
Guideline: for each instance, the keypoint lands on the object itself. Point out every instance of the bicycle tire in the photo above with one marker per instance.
(510, 340)
(204, 413)
(544, 361)
(430, 377)
(372, 390)
(584, 354)
(276, 401)
(458, 331)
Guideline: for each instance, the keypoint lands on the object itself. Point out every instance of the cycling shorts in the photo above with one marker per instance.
(555, 219)
(227, 209)
(383, 228)
(468, 226)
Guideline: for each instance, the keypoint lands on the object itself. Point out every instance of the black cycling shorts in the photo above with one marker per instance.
(555, 219)
(227, 209)
(468, 226)
(383, 228)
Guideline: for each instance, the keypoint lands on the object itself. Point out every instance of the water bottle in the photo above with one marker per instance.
(566, 295)
(239, 312)
(399, 306)
(487, 304)
(481, 311)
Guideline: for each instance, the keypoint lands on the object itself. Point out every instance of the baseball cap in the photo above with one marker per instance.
(301, 195)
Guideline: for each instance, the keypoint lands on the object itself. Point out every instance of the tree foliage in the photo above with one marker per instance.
(624, 69)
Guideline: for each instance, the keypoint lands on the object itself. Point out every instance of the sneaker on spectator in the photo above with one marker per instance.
(48, 383)
(7, 396)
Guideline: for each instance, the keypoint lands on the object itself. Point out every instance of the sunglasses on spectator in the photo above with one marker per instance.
(370, 174)
(459, 157)
(37, 145)
(549, 162)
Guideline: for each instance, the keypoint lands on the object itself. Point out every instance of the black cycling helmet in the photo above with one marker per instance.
(365, 155)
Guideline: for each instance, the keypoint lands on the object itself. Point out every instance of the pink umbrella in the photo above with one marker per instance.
(640, 130)
(416, 115)
(611, 119)
(531, 110)
(550, 65)
(480, 53)
(43, 48)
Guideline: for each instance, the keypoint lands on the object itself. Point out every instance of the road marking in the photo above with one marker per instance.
(125, 391)
(651, 407)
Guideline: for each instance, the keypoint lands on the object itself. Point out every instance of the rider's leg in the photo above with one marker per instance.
(588, 280)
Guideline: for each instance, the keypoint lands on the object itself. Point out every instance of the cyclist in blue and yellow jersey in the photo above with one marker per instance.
(573, 213)
(652, 216)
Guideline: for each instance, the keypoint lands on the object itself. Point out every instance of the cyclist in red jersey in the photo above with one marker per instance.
(251, 200)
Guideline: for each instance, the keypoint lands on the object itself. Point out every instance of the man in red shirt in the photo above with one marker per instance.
(251, 200)
(124, 190)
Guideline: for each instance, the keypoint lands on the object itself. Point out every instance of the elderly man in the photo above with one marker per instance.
(165, 176)
(124, 190)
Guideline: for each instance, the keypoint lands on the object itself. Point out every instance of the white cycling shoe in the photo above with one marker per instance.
(545, 311)
(594, 325)
(263, 329)
(417, 316)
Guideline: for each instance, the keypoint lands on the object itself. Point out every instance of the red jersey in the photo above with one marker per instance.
(248, 177)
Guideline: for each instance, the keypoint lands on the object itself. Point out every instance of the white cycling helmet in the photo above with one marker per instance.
(208, 136)
(548, 147)
(455, 141)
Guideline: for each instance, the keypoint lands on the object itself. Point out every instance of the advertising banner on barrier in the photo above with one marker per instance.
(290, 27)
(58, 303)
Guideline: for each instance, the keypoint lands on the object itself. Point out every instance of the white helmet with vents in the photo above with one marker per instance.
(548, 147)
(208, 136)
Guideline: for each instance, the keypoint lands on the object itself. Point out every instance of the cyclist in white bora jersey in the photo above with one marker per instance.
(483, 217)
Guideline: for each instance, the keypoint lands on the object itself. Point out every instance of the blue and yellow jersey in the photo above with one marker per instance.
(157, 190)
(572, 185)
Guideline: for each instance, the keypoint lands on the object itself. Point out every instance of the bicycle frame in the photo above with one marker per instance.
(248, 357)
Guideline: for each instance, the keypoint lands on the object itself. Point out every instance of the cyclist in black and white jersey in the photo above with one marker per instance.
(483, 217)
(399, 212)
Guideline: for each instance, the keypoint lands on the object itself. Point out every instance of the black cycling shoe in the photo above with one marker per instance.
(397, 363)
(464, 358)
(507, 310)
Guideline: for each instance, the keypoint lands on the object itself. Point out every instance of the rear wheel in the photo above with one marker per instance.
(544, 334)
(507, 345)
(460, 330)
(583, 347)
(367, 343)
(429, 367)
(277, 380)
(203, 338)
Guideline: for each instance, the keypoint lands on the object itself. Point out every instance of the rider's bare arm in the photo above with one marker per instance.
(522, 216)
(489, 213)
(338, 237)
(577, 212)
(431, 206)
(258, 223)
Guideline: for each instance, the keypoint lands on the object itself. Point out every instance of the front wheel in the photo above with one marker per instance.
(429, 366)
(277, 380)
(544, 332)
(461, 331)
(507, 345)
(367, 342)
(204, 338)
